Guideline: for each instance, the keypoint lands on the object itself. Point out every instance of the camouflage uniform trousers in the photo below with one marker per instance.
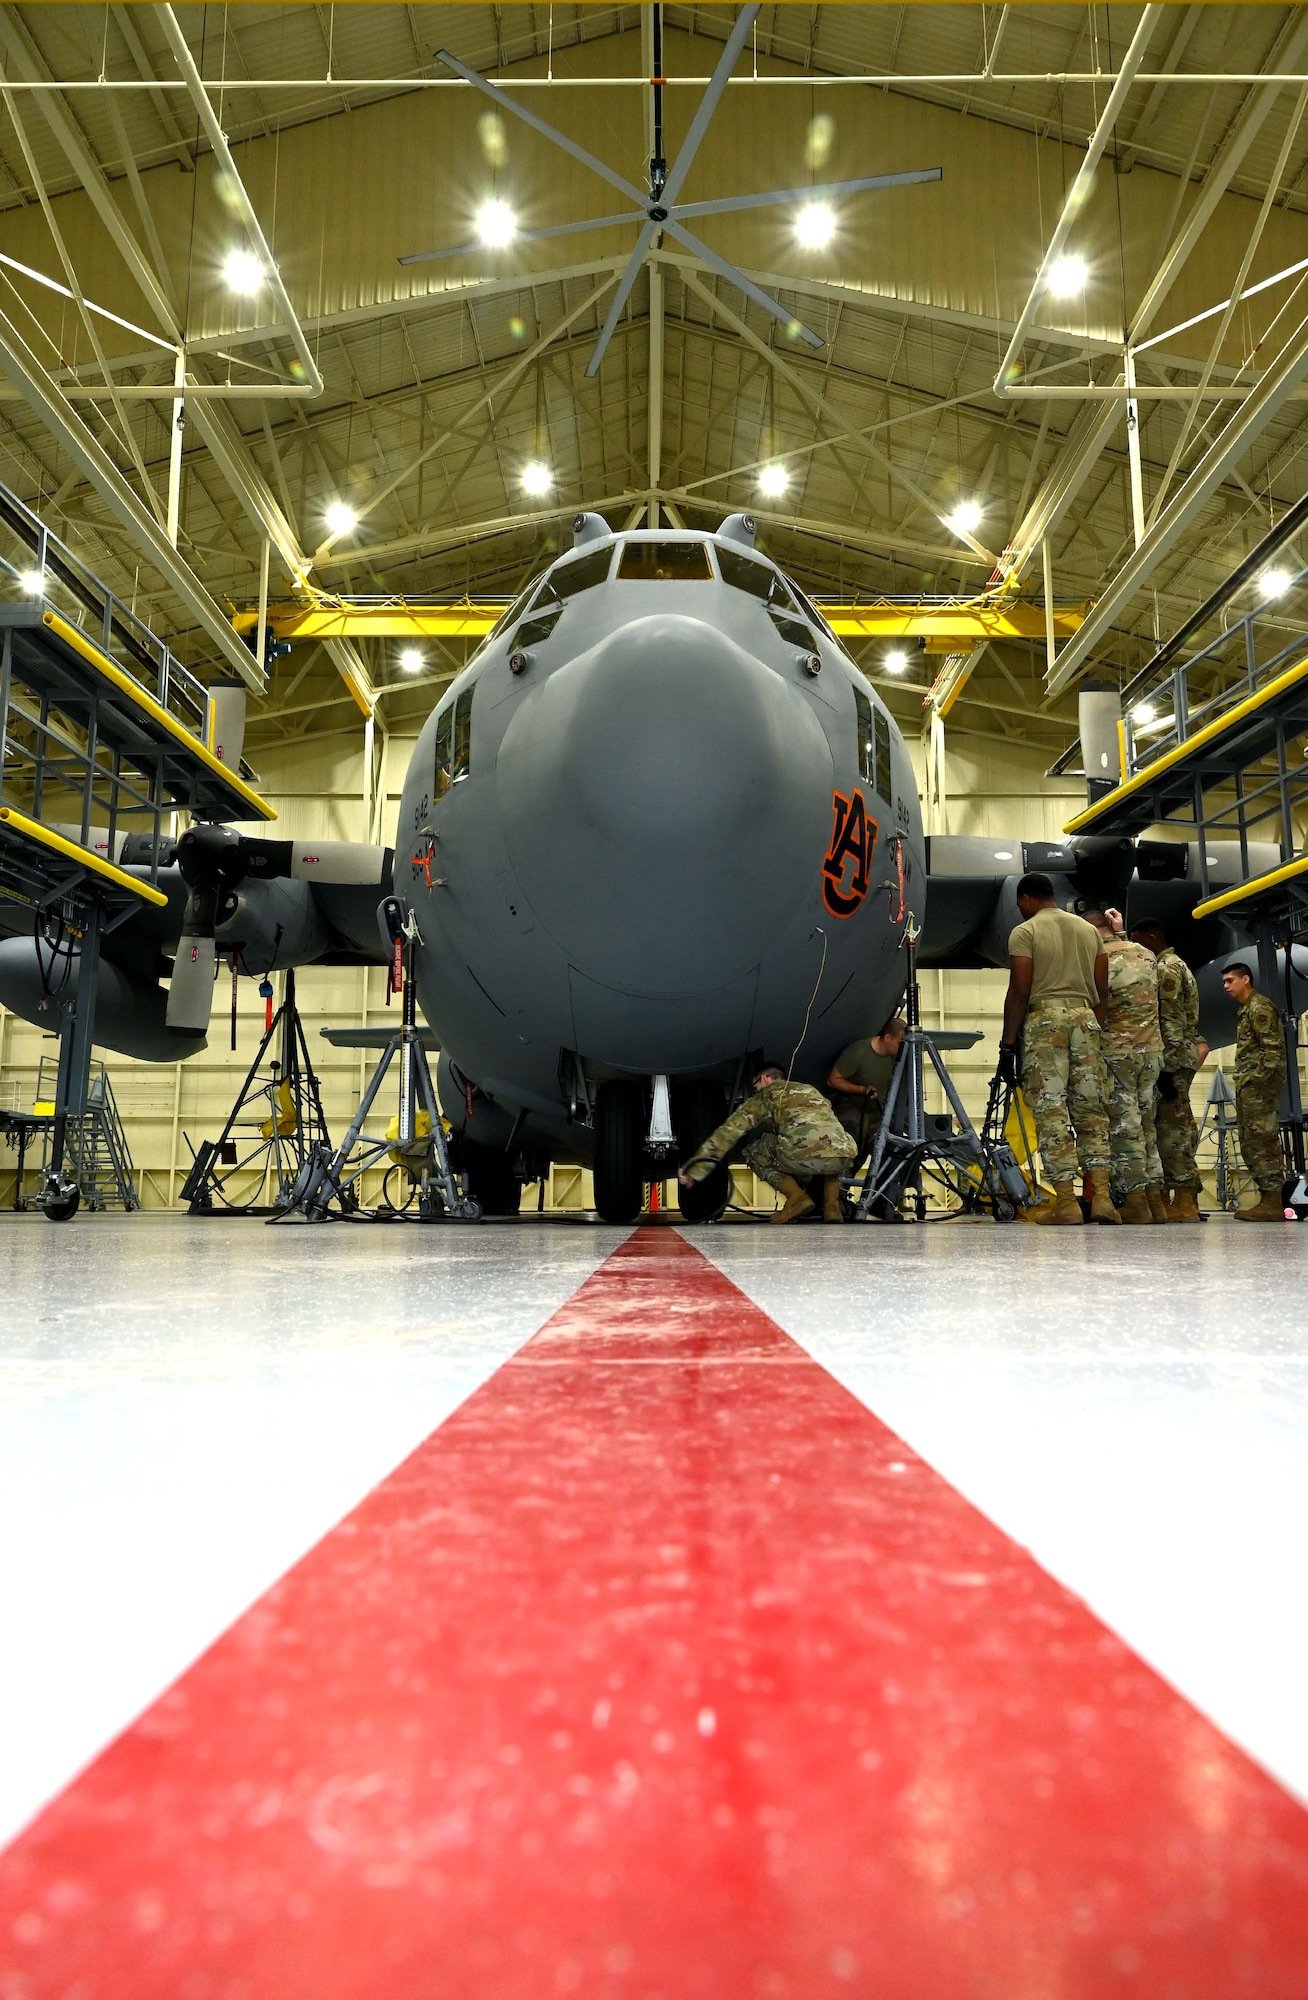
(1178, 1136)
(862, 1121)
(1066, 1087)
(1256, 1107)
(767, 1155)
(1132, 1144)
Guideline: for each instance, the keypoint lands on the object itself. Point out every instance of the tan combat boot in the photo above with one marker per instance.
(797, 1203)
(831, 1209)
(1157, 1206)
(1064, 1208)
(1185, 1206)
(1136, 1207)
(1101, 1203)
(1266, 1209)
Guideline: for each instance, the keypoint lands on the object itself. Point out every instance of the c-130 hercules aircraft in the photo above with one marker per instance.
(659, 825)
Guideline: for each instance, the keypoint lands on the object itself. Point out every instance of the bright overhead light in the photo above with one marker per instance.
(1274, 582)
(495, 224)
(411, 660)
(965, 518)
(896, 660)
(32, 582)
(815, 225)
(242, 271)
(1067, 275)
(340, 518)
(773, 481)
(1144, 712)
(536, 478)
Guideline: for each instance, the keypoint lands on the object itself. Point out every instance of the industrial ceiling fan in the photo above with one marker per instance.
(658, 209)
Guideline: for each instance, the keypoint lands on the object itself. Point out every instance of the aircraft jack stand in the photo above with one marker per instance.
(288, 1136)
(912, 1143)
(333, 1176)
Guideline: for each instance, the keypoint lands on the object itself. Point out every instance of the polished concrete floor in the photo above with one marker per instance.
(188, 1408)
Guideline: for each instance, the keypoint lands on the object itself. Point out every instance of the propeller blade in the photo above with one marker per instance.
(741, 282)
(527, 236)
(622, 294)
(796, 194)
(190, 997)
(520, 111)
(708, 104)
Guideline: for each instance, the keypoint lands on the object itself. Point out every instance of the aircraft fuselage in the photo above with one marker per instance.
(649, 830)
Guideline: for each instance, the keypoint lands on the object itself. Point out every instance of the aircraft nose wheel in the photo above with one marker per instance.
(698, 1108)
(619, 1149)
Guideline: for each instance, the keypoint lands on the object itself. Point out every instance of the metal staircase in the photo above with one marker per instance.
(97, 1155)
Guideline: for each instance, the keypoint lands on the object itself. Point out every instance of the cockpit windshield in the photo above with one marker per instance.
(581, 572)
(665, 562)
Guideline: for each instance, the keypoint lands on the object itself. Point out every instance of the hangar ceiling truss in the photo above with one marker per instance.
(1110, 464)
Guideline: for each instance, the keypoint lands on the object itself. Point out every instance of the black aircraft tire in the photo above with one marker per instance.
(619, 1148)
(65, 1209)
(492, 1182)
(698, 1109)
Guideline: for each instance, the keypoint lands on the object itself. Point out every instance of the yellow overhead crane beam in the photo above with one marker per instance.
(949, 626)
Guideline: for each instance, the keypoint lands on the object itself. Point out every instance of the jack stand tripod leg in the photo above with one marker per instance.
(326, 1173)
(872, 1181)
(447, 1181)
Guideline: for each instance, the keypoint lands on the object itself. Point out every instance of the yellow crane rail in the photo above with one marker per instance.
(964, 625)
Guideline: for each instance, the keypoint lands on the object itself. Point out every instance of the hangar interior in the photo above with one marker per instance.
(531, 1604)
(448, 382)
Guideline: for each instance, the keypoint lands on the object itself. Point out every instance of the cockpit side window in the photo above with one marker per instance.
(515, 610)
(665, 562)
(539, 625)
(453, 743)
(811, 611)
(791, 630)
(882, 727)
(866, 745)
(873, 728)
(581, 572)
(743, 573)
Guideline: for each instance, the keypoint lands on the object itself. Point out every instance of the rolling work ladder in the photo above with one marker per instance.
(96, 1150)
(102, 733)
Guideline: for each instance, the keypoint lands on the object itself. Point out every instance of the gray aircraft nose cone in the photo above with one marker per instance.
(666, 802)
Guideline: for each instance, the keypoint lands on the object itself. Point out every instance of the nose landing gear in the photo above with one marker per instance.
(620, 1120)
(621, 1164)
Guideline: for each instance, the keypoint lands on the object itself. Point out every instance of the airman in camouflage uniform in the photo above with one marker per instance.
(787, 1134)
(1259, 1081)
(1132, 1047)
(1057, 985)
(1183, 1054)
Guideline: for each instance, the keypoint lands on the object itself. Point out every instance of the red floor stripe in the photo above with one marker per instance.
(663, 1669)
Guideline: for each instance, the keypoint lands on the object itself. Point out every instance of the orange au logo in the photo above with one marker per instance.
(853, 839)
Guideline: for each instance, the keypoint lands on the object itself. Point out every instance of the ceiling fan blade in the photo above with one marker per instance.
(622, 294)
(708, 104)
(528, 236)
(777, 196)
(737, 278)
(520, 111)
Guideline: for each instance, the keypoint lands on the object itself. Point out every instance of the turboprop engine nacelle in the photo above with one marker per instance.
(129, 1013)
(275, 926)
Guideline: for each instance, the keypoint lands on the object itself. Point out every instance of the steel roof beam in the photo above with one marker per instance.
(1224, 452)
(85, 450)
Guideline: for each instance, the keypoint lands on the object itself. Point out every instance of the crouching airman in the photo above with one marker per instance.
(789, 1136)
